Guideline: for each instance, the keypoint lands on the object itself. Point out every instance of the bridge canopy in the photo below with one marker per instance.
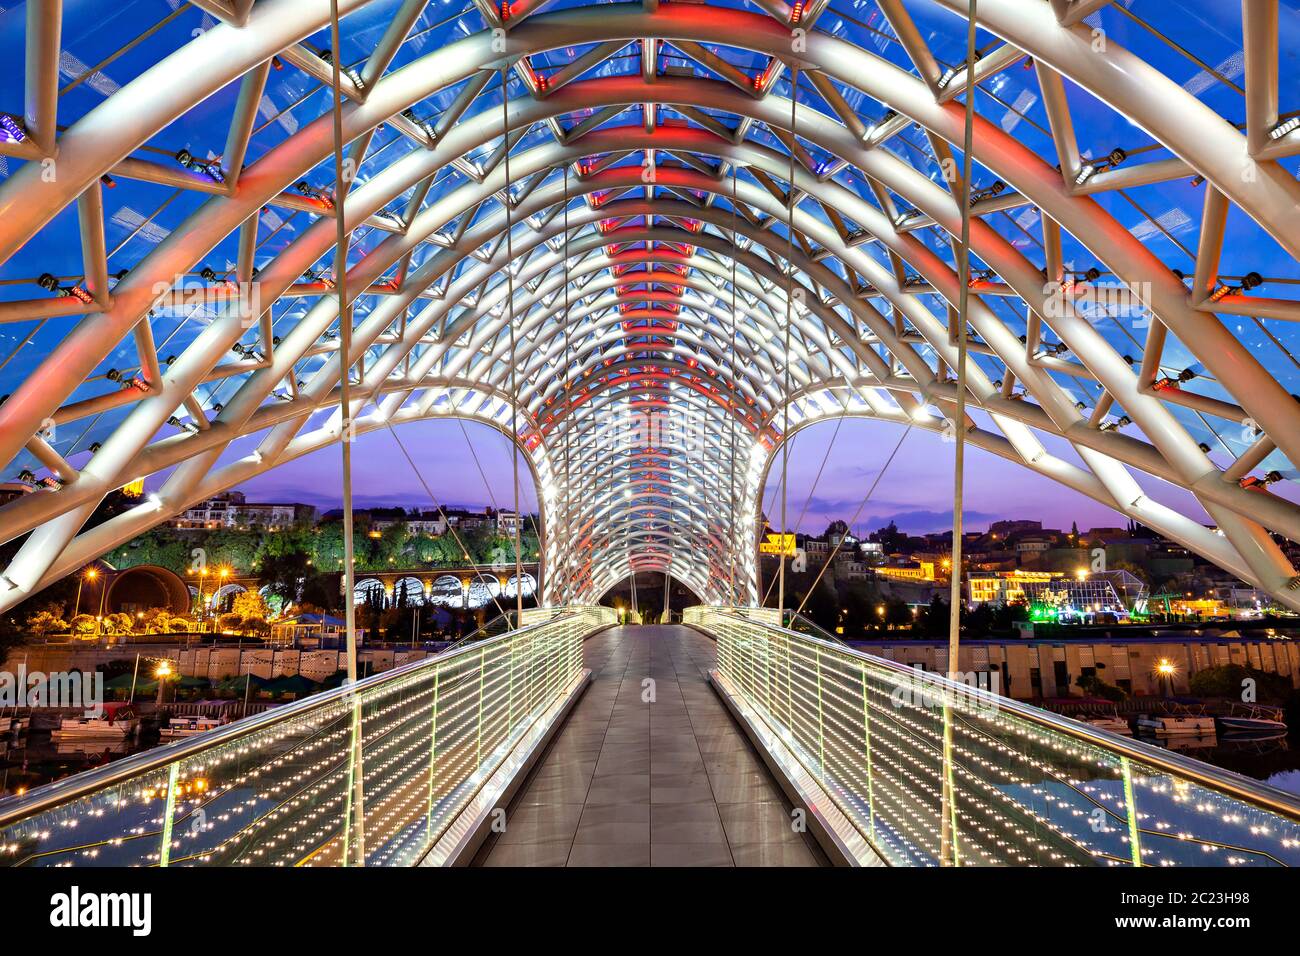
(649, 243)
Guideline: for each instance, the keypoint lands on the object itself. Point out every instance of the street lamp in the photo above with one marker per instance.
(161, 673)
(103, 592)
(1166, 669)
(203, 576)
(90, 575)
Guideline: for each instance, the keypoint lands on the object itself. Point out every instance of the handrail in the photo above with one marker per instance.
(57, 792)
(1245, 787)
(828, 702)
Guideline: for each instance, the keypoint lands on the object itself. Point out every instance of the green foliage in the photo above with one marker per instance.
(284, 572)
(1230, 681)
(1094, 686)
(236, 548)
(161, 546)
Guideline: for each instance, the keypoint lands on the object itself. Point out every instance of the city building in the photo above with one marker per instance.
(1080, 596)
(232, 510)
(507, 523)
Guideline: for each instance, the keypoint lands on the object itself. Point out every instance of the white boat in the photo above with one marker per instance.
(1176, 725)
(1252, 720)
(119, 721)
(179, 727)
(1116, 725)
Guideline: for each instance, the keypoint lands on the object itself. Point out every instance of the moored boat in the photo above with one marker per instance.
(1170, 725)
(1112, 723)
(180, 727)
(1244, 719)
(118, 721)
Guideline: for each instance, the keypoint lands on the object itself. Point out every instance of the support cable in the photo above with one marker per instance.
(948, 809)
(789, 310)
(830, 560)
(434, 498)
(514, 364)
(356, 795)
(735, 389)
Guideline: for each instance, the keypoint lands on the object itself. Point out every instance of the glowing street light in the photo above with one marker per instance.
(1166, 670)
(161, 673)
(90, 575)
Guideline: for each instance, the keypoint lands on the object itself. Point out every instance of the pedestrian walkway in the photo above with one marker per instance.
(650, 770)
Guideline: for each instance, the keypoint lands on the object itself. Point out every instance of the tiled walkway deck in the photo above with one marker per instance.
(673, 782)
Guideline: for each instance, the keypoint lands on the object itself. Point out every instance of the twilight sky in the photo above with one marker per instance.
(916, 492)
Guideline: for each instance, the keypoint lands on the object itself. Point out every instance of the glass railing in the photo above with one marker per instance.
(375, 772)
(1026, 787)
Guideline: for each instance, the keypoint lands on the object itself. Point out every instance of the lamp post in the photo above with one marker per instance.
(99, 618)
(222, 574)
(1166, 670)
(161, 673)
(90, 575)
(203, 576)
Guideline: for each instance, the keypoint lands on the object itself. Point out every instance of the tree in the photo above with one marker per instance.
(251, 606)
(391, 546)
(823, 606)
(230, 622)
(859, 602)
(934, 620)
(890, 538)
(156, 620)
(82, 624)
(232, 547)
(161, 546)
(46, 622)
(118, 623)
(897, 613)
(1094, 686)
(284, 573)
(1231, 680)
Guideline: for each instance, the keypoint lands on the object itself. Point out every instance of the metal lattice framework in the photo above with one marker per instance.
(656, 260)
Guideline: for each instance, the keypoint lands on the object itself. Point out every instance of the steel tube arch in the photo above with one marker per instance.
(832, 329)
